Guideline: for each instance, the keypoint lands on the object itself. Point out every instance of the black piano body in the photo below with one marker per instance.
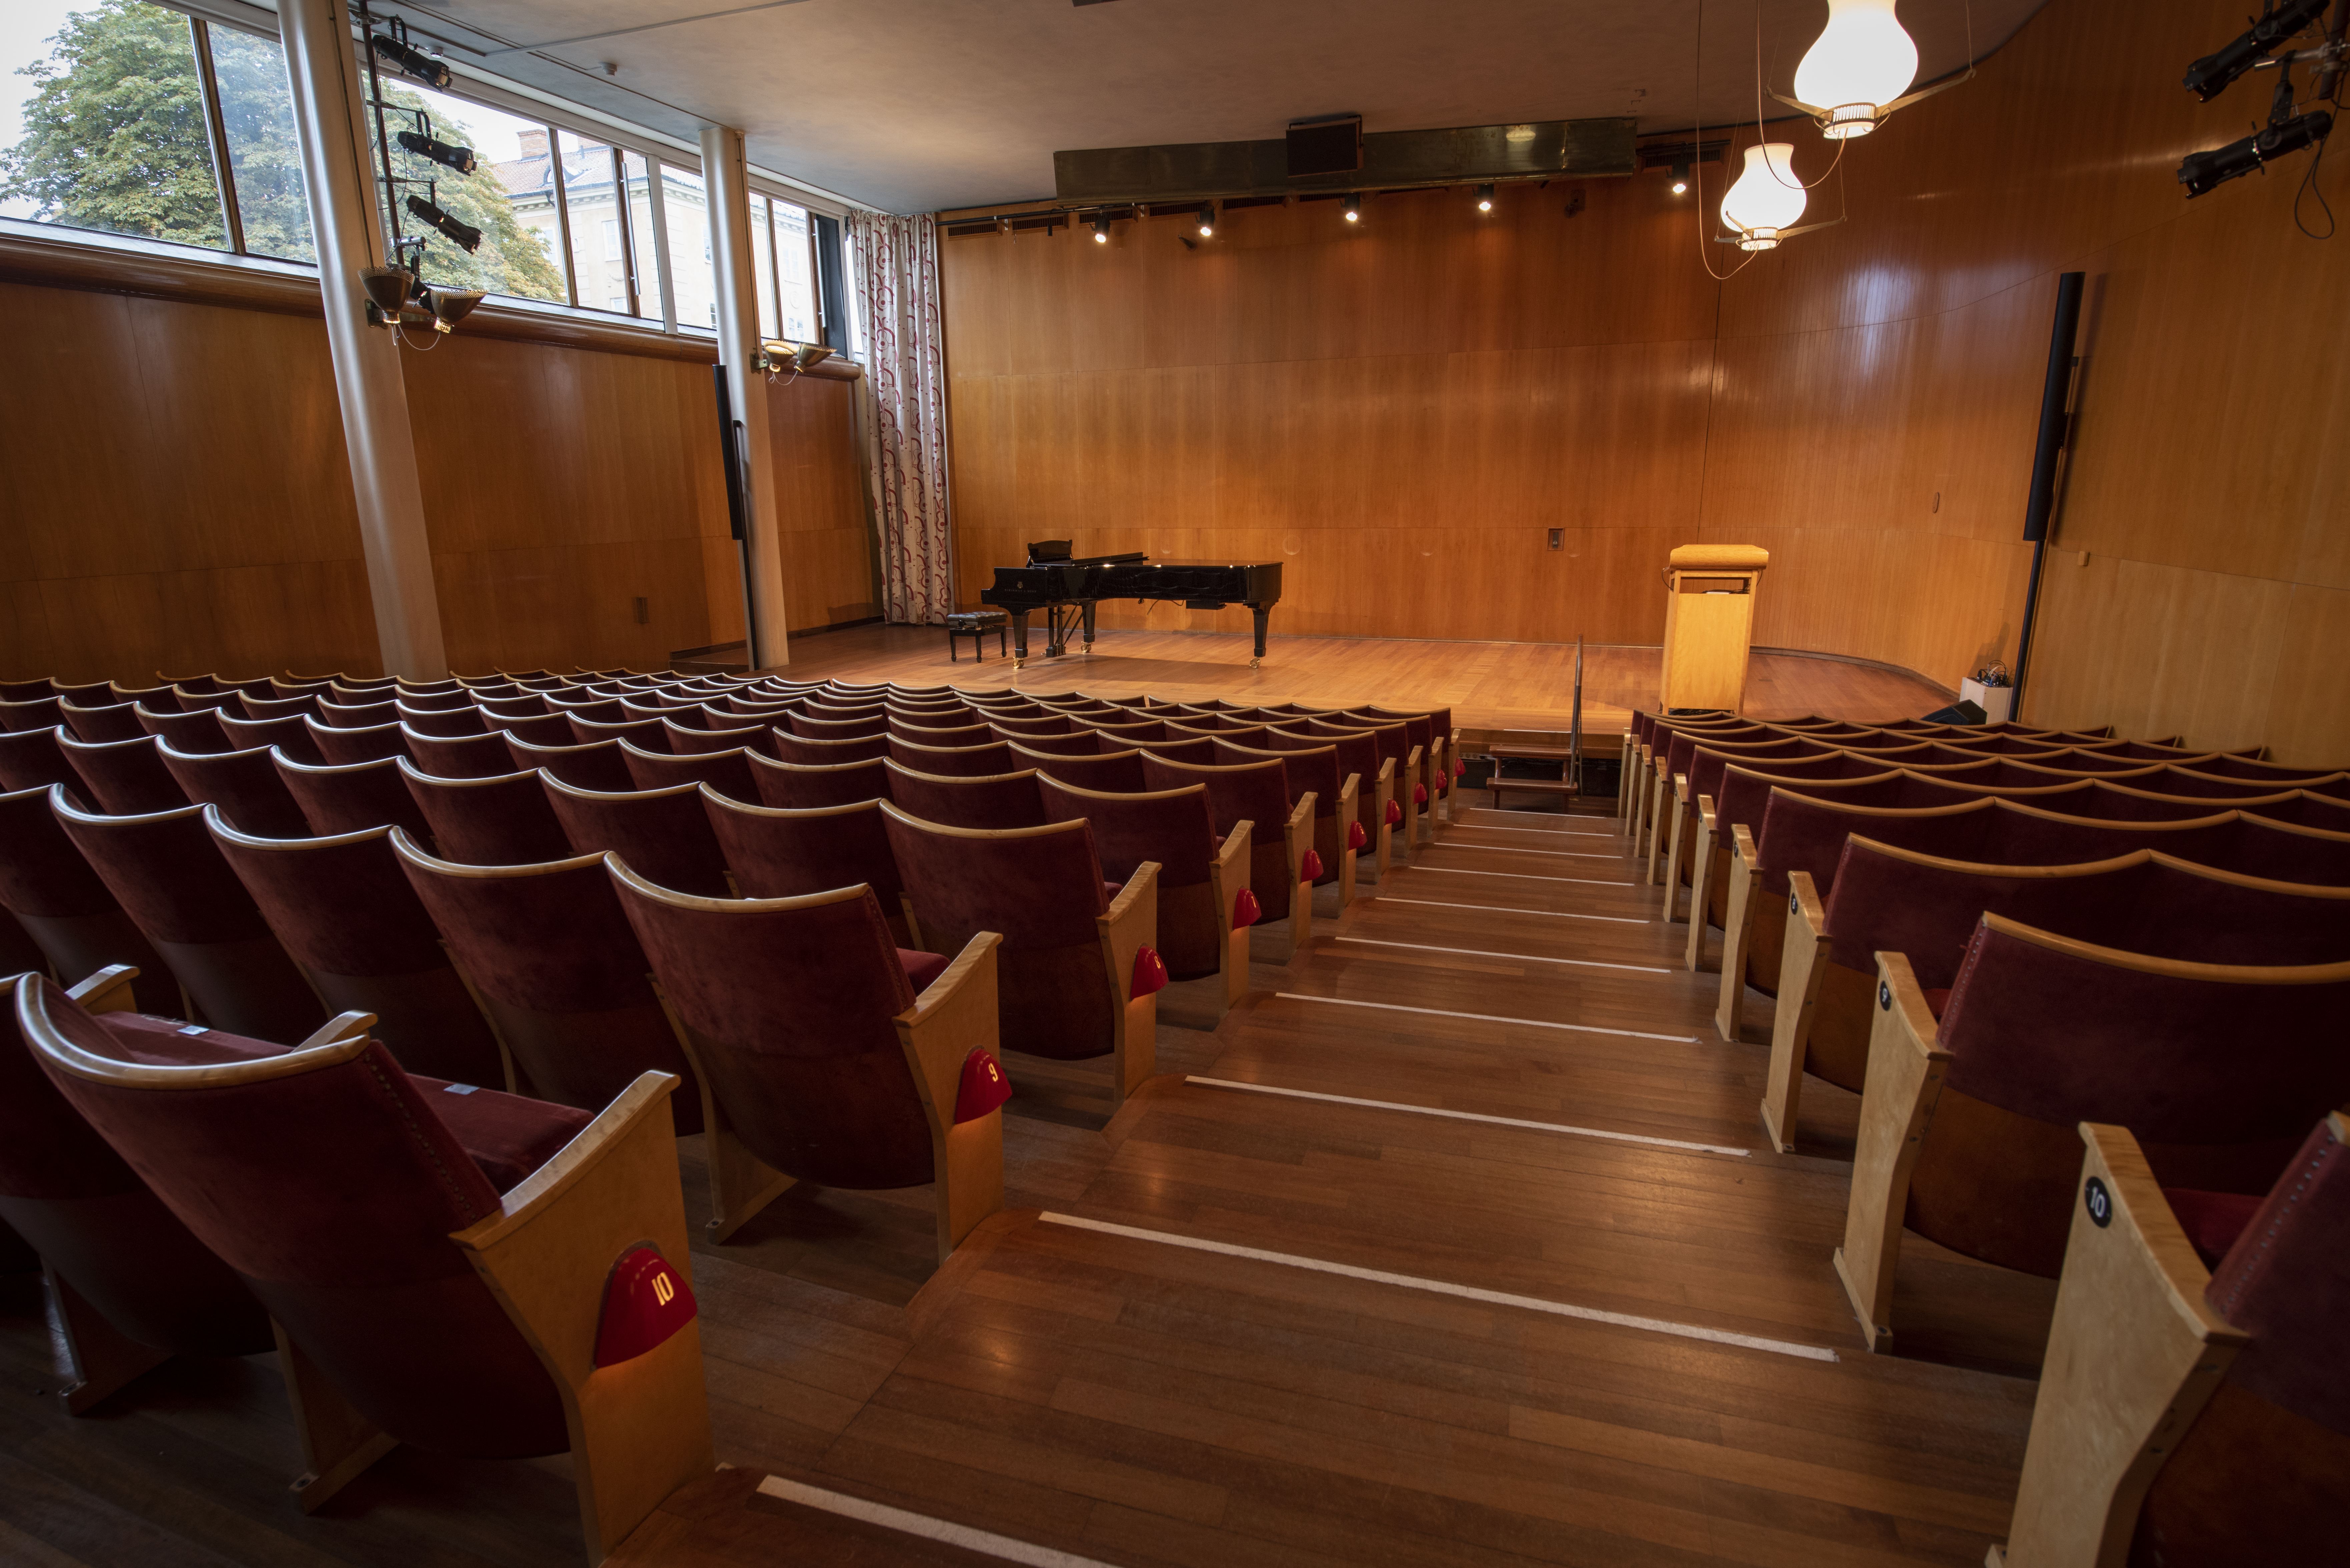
(1066, 590)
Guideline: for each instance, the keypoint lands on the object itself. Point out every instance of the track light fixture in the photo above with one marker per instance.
(461, 158)
(2208, 78)
(467, 238)
(410, 61)
(1353, 208)
(1101, 228)
(1484, 198)
(1681, 179)
(1858, 72)
(388, 287)
(450, 305)
(1207, 219)
(2286, 132)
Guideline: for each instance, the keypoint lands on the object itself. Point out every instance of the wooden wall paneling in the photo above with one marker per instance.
(819, 473)
(2308, 717)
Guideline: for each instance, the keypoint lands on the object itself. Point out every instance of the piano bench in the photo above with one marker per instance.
(1499, 786)
(976, 625)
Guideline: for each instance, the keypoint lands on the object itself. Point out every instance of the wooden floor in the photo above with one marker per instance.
(1488, 685)
(1162, 1398)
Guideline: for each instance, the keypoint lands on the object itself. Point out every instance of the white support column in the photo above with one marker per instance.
(727, 178)
(331, 124)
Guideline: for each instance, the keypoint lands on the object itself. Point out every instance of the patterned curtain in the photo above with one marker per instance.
(897, 264)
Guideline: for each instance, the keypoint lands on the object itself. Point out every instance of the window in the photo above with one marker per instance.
(508, 196)
(103, 122)
(257, 110)
(795, 294)
(762, 264)
(686, 203)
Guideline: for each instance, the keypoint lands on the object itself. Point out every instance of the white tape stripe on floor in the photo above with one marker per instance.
(1445, 1287)
(930, 1529)
(1526, 957)
(1521, 876)
(1472, 1116)
(1514, 850)
(1495, 909)
(1487, 1018)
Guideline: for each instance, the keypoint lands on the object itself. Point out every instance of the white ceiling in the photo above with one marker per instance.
(918, 105)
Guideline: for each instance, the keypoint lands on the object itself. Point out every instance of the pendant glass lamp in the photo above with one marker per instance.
(1862, 63)
(1767, 201)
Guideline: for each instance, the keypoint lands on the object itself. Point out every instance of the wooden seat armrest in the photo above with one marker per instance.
(1300, 835)
(348, 1024)
(1906, 1067)
(1130, 925)
(1230, 872)
(2134, 1353)
(1802, 968)
(1350, 793)
(1412, 762)
(1705, 813)
(1680, 788)
(1806, 915)
(954, 1015)
(1741, 844)
(109, 991)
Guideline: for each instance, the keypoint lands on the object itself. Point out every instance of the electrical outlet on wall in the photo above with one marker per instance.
(1558, 538)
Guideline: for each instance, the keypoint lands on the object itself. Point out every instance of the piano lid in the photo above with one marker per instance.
(1055, 552)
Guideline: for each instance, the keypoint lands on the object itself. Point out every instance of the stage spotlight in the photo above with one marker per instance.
(1484, 198)
(461, 158)
(450, 305)
(2208, 78)
(410, 61)
(388, 287)
(2205, 171)
(1354, 209)
(1681, 179)
(1207, 219)
(467, 238)
(1101, 228)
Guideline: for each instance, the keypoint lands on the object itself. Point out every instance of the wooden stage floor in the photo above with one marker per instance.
(1488, 685)
(1456, 1243)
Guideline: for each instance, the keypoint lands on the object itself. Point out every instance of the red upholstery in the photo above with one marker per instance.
(347, 916)
(598, 765)
(112, 721)
(1173, 827)
(166, 873)
(778, 852)
(287, 734)
(124, 777)
(728, 772)
(448, 723)
(799, 786)
(346, 797)
(196, 733)
(437, 697)
(359, 715)
(1004, 800)
(245, 785)
(344, 746)
(478, 756)
(1086, 744)
(790, 1003)
(520, 704)
(808, 752)
(31, 759)
(2212, 1220)
(2286, 1282)
(1010, 727)
(499, 821)
(951, 762)
(1257, 794)
(34, 712)
(546, 730)
(1041, 889)
(685, 739)
(1116, 771)
(1124, 734)
(813, 726)
(645, 734)
(663, 834)
(64, 907)
(601, 710)
(333, 1191)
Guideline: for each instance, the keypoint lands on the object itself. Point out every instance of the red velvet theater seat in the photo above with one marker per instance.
(1000, 800)
(1066, 974)
(165, 871)
(1117, 773)
(503, 820)
(966, 762)
(818, 1061)
(2187, 1419)
(663, 833)
(349, 918)
(1281, 835)
(801, 786)
(814, 751)
(776, 853)
(67, 909)
(244, 784)
(1966, 1124)
(342, 745)
(32, 759)
(286, 735)
(125, 778)
(198, 732)
(556, 967)
(1200, 877)
(476, 756)
(346, 797)
(727, 772)
(1312, 765)
(447, 1314)
(596, 765)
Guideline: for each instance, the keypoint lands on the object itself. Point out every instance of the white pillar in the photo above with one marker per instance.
(332, 124)
(726, 178)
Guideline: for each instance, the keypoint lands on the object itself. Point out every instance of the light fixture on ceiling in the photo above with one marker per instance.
(1353, 208)
(1859, 70)
(461, 158)
(1101, 228)
(1681, 179)
(2208, 78)
(1484, 198)
(1207, 219)
(1762, 207)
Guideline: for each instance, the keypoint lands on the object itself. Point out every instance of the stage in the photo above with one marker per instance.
(1489, 686)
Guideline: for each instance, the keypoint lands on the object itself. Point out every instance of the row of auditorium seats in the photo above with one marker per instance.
(2010, 942)
(824, 950)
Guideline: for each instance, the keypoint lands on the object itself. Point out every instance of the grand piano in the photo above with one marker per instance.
(1066, 590)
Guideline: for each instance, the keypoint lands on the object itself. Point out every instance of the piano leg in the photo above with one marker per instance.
(1261, 612)
(1089, 626)
(1019, 638)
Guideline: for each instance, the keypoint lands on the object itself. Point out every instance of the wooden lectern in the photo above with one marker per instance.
(1708, 623)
